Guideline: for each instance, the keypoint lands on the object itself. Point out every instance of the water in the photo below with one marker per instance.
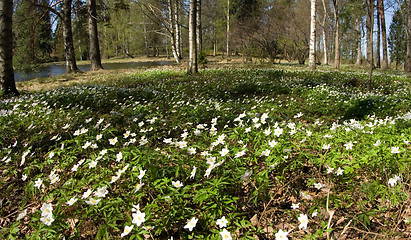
(57, 69)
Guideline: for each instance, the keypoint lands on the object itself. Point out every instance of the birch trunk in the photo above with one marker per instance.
(312, 36)
(384, 64)
(95, 57)
(359, 36)
(7, 82)
(173, 31)
(325, 46)
(192, 64)
(199, 37)
(179, 43)
(337, 36)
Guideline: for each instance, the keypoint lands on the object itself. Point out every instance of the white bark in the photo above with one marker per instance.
(228, 28)
(192, 64)
(311, 61)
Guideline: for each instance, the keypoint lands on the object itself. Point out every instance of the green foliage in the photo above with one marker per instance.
(246, 145)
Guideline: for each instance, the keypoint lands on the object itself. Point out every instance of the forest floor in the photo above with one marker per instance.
(250, 151)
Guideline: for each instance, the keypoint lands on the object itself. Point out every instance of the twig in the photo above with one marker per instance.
(331, 213)
(345, 228)
(373, 233)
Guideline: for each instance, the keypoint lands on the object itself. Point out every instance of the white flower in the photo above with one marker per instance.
(272, 143)
(142, 173)
(377, 143)
(119, 156)
(278, 131)
(315, 213)
(191, 151)
(127, 230)
(339, 171)
(86, 194)
(225, 235)
(93, 201)
(318, 185)
(47, 219)
(46, 209)
(265, 153)
(99, 136)
(71, 201)
(101, 192)
(240, 153)
(326, 146)
(113, 141)
(138, 218)
(21, 215)
(224, 151)
(38, 183)
(303, 219)
(191, 224)
(193, 172)
(392, 181)
(330, 170)
(177, 184)
(86, 145)
(295, 205)
(139, 186)
(281, 235)
(395, 150)
(92, 164)
(222, 222)
(348, 146)
(53, 177)
(24, 177)
(267, 132)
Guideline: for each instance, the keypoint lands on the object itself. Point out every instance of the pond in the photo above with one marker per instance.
(57, 69)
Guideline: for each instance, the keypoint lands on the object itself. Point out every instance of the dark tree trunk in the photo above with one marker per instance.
(8, 84)
(370, 27)
(408, 30)
(192, 64)
(70, 56)
(95, 57)
(378, 52)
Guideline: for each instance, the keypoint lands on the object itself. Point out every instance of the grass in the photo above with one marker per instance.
(262, 148)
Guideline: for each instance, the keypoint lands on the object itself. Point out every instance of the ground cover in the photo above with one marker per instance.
(225, 154)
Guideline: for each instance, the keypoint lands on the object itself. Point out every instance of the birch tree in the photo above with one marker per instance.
(192, 64)
(8, 84)
(312, 36)
(337, 35)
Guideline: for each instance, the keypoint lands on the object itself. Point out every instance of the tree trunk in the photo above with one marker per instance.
(95, 57)
(384, 64)
(179, 43)
(7, 82)
(192, 64)
(359, 36)
(408, 30)
(146, 40)
(312, 36)
(70, 56)
(228, 28)
(337, 36)
(325, 46)
(173, 31)
(370, 27)
(199, 35)
(378, 50)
